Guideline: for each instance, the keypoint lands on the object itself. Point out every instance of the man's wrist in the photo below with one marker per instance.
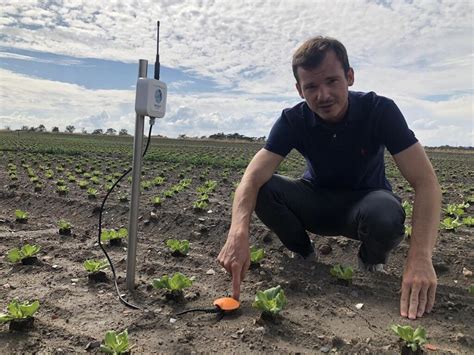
(420, 253)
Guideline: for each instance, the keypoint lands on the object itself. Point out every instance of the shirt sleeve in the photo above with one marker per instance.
(280, 140)
(393, 129)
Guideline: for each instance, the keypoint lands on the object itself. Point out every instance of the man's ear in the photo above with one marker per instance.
(298, 87)
(350, 77)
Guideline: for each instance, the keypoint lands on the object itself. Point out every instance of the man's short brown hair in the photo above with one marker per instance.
(312, 52)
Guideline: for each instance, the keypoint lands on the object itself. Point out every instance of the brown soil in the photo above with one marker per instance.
(321, 315)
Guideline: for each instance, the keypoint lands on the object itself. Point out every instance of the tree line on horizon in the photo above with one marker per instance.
(123, 132)
(217, 136)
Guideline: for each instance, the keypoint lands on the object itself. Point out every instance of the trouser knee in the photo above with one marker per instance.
(381, 229)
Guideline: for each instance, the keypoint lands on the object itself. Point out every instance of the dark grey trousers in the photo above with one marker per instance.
(290, 207)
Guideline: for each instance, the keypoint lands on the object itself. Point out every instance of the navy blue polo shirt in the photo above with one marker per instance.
(348, 154)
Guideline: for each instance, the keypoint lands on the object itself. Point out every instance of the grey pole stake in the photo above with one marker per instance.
(135, 198)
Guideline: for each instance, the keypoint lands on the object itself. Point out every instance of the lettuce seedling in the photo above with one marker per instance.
(270, 301)
(158, 181)
(115, 343)
(471, 290)
(200, 205)
(111, 234)
(408, 230)
(256, 255)
(92, 193)
(21, 216)
(456, 210)
(175, 284)
(64, 227)
(26, 251)
(156, 201)
(413, 338)
(17, 310)
(450, 223)
(408, 207)
(123, 197)
(178, 247)
(62, 190)
(91, 265)
(342, 273)
(468, 221)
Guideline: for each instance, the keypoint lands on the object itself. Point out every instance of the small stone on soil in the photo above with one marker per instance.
(93, 345)
(324, 349)
(466, 272)
(260, 330)
(210, 272)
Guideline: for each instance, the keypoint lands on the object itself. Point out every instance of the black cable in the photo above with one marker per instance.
(100, 223)
(205, 310)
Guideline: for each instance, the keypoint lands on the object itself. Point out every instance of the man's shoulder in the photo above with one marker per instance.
(298, 110)
(368, 99)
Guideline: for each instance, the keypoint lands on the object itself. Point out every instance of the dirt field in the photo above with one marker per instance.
(321, 316)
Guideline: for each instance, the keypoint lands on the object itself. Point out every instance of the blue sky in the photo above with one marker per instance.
(227, 64)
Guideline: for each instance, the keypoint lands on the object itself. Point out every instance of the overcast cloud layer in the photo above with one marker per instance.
(420, 53)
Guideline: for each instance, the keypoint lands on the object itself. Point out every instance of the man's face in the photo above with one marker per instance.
(326, 88)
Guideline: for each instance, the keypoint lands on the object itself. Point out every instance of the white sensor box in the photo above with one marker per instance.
(150, 98)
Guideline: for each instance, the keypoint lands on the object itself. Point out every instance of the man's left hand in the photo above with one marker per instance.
(418, 287)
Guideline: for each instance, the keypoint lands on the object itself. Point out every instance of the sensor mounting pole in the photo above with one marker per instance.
(135, 198)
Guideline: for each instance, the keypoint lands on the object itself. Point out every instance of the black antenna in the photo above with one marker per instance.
(157, 60)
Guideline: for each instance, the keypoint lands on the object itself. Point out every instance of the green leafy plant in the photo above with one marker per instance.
(200, 205)
(342, 273)
(146, 185)
(62, 190)
(468, 221)
(270, 301)
(19, 310)
(21, 216)
(123, 197)
(26, 251)
(256, 254)
(413, 338)
(456, 210)
(158, 181)
(450, 223)
(110, 234)
(156, 200)
(408, 230)
(91, 192)
(168, 193)
(64, 227)
(175, 284)
(91, 265)
(178, 247)
(408, 207)
(115, 343)
(471, 290)
(83, 184)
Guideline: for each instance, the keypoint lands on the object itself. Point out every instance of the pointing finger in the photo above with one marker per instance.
(236, 277)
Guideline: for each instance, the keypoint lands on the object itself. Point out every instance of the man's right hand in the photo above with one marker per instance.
(235, 258)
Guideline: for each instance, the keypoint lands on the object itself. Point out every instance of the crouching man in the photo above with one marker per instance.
(342, 135)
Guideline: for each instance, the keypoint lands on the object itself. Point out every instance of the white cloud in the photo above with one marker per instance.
(407, 50)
